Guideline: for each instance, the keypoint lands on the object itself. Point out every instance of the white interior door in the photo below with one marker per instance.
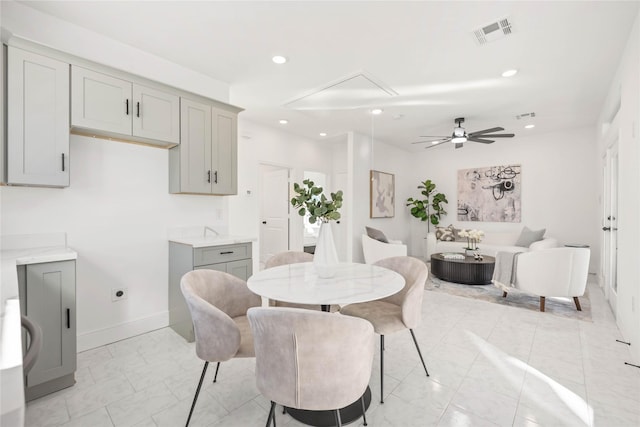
(610, 226)
(340, 227)
(274, 211)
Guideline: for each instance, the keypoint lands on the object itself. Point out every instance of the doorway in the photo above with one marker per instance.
(610, 225)
(274, 211)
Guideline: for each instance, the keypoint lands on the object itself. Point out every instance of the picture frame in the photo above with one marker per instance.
(382, 194)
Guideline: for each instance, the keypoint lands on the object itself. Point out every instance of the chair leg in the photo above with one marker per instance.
(272, 415)
(381, 368)
(364, 417)
(338, 420)
(215, 377)
(542, 303)
(577, 301)
(419, 353)
(193, 405)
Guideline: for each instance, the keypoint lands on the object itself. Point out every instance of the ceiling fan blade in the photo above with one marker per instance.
(459, 144)
(432, 136)
(433, 141)
(498, 135)
(437, 143)
(480, 132)
(484, 141)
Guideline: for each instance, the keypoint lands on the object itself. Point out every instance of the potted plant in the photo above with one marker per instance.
(311, 200)
(431, 207)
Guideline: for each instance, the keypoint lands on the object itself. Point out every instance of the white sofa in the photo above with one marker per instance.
(491, 244)
(375, 250)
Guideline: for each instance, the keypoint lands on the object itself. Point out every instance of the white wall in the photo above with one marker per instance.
(117, 214)
(384, 158)
(625, 127)
(258, 144)
(559, 178)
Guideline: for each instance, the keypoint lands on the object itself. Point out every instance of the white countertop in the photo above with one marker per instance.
(11, 378)
(204, 241)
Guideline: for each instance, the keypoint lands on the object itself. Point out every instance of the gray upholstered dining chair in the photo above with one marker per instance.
(218, 303)
(397, 312)
(311, 360)
(291, 257)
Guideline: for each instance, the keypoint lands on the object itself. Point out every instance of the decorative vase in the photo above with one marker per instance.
(325, 259)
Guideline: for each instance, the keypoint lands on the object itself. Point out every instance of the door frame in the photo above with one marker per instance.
(610, 214)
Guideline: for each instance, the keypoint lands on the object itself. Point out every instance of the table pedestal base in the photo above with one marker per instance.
(348, 414)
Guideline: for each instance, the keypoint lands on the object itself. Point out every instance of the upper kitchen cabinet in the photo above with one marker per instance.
(37, 120)
(205, 162)
(109, 106)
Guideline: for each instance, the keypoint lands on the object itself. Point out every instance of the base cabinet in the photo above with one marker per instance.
(48, 298)
(234, 259)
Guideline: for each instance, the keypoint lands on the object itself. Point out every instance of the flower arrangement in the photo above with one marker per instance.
(473, 237)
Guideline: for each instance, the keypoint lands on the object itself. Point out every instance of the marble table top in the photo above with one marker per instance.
(352, 283)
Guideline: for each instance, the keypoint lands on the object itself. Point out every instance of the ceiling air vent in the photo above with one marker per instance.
(494, 31)
(525, 116)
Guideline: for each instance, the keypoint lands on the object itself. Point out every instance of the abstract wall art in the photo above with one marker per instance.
(382, 194)
(490, 194)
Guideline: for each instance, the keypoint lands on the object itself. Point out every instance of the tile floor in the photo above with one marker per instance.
(490, 365)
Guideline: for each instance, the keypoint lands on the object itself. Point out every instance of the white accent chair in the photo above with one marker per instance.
(375, 250)
(556, 272)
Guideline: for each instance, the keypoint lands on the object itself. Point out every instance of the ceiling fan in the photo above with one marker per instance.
(460, 136)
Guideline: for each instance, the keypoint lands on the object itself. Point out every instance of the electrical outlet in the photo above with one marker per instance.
(118, 294)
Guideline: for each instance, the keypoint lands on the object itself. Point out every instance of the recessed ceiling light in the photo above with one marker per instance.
(284, 121)
(278, 59)
(323, 134)
(510, 73)
(377, 111)
(529, 126)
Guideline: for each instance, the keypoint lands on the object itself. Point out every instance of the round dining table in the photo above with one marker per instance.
(351, 283)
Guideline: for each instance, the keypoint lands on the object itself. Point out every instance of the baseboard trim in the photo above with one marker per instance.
(109, 335)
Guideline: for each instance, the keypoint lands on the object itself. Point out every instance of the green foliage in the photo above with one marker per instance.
(310, 199)
(431, 207)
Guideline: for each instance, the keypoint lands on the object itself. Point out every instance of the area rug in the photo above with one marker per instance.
(563, 307)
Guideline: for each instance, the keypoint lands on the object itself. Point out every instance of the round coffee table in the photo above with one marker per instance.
(467, 271)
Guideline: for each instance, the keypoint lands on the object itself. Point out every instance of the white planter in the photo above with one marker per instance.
(325, 259)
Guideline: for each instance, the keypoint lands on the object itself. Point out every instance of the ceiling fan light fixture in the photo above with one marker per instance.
(458, 139)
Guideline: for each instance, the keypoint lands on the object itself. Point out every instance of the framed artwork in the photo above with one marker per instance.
(490, 194)
(382, 195)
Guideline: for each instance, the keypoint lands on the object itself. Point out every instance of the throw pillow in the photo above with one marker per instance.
(445, 234)
(527, 237)
(376, 234)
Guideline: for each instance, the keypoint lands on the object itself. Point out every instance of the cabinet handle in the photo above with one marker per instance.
(138, 109)
(62, 162)
(209, 176)
(215, 177)
(226, 253)
(127, 104)
(68, 318)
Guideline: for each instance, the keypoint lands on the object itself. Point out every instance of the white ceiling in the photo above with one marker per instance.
(419, 61)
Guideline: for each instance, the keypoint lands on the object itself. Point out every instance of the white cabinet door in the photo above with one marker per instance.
(100, 102)
(38, 120)
(224, 152)
(156, 114)
(195, 147)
